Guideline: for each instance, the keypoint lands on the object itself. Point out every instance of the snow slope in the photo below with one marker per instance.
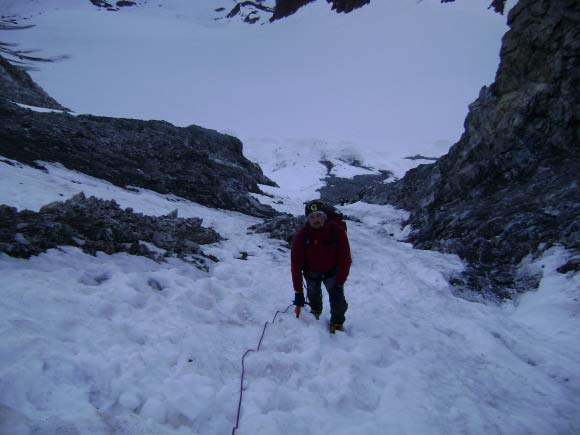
(395, 76)
(123, 345)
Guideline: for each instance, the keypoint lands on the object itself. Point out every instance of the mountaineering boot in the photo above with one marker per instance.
(333, 327)
(316, 313)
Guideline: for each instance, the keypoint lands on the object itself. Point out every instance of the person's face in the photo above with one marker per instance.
(316, 220)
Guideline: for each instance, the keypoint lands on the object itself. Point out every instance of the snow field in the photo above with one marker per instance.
(414, 358)
(395, 74)
(121, 344)
(117, 303)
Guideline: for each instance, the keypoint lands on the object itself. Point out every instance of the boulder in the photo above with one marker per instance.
(94, 225)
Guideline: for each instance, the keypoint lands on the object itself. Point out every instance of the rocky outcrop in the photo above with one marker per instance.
(254, 11)
(16, 85)
(249, 11)
(97, 225)
(285, 8)
(193, 162)
(510, 186)
(339, 190)
(112, 7)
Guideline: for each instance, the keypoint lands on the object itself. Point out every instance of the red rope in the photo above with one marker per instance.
(244, 369)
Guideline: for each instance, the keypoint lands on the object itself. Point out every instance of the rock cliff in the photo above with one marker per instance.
(192, 162)
(510, 186)
(285, 8)
(16, 85)
(255, 11)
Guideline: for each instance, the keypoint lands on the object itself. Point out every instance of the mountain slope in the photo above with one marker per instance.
(192, 162)
(121, 344)
(391, 76)
(509, 187)
(16, 85)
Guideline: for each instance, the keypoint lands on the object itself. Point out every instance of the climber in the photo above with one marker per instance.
(321, 254)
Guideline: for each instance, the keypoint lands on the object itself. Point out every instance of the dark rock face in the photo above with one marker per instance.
(253, 11)
(510, 186)
(96, 225)
(249, 11)
(16, 85)
(195, 163)
(348, 190)
(110, 7)
(285, 8)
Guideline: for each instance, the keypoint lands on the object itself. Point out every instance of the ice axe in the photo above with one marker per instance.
(298, 309)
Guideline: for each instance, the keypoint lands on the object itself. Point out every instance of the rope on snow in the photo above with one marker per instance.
(244, 369)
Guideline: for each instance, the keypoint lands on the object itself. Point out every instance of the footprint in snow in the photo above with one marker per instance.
(94, 278)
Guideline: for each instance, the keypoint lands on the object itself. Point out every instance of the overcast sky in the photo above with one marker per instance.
(397, 73)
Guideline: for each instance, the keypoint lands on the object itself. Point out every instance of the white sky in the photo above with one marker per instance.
(394, 74)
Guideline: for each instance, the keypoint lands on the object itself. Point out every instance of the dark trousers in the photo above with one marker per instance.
(338, 305)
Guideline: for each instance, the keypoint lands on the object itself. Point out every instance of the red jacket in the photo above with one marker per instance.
(328, 250)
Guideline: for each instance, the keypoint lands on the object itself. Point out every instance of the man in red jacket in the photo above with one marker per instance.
(321, 253)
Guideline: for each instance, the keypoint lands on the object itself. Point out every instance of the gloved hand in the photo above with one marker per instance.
(299, 299)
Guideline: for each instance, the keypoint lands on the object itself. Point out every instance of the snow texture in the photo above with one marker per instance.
(121, 344)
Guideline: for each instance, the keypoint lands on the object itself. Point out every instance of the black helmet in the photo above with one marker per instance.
(314, 206)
